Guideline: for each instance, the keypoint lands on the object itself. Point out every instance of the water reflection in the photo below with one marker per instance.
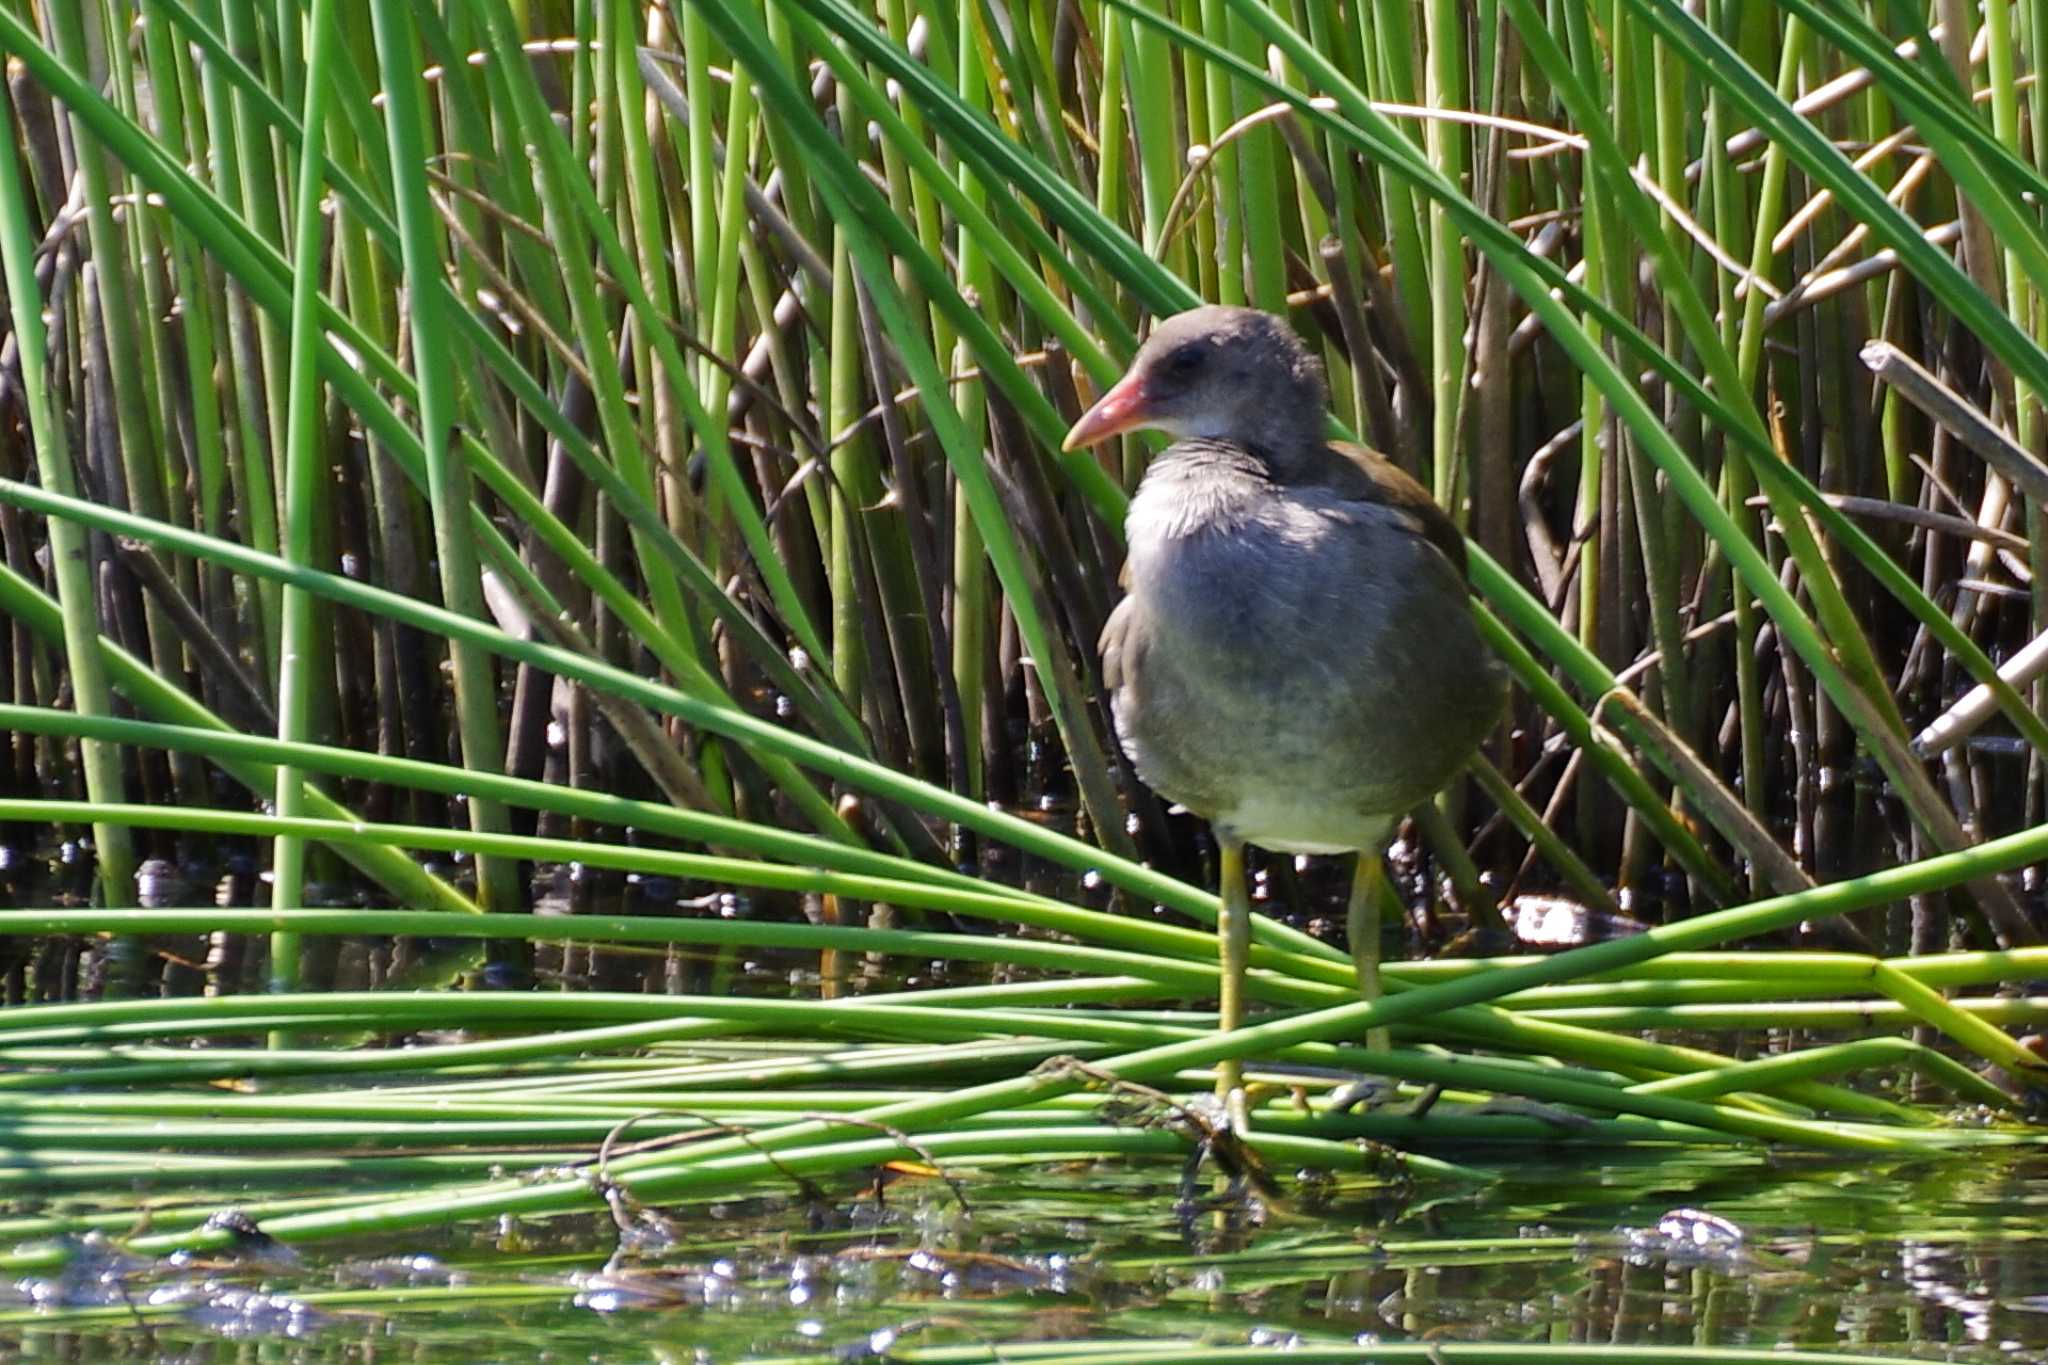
(1934, 1261)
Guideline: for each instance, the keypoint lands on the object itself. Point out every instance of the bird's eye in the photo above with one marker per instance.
(1183, 361)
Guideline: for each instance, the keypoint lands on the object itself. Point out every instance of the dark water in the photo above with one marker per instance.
(1932, 1261)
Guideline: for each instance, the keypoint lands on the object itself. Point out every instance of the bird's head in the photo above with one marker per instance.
(1233, 374)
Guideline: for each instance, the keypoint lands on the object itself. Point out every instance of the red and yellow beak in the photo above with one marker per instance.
(1125, 407)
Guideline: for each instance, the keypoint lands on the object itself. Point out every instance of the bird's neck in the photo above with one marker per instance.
(1274, 429)
(1210, 459)
(1197, 486)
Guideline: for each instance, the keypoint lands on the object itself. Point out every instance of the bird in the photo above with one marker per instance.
(1295, 658)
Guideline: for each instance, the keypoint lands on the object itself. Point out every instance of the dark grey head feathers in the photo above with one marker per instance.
(1236, 374)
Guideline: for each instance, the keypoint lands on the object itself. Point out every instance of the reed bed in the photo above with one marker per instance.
(440, 441)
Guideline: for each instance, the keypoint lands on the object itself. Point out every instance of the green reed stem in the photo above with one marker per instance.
(305, 486)
(70, 564)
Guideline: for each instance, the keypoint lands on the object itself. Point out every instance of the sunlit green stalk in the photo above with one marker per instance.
(448, 481)
(256, 339)
(70, 565)
(1256, 211)
(305, 487)
(1444, 88)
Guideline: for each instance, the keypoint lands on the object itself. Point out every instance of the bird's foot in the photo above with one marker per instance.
(1367, 1093)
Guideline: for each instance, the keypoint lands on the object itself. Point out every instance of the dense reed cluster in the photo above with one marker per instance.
(627, 435)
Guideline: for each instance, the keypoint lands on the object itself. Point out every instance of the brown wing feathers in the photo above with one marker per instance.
(1368, 476)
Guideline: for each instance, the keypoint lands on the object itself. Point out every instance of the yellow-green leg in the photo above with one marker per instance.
(1234, 935)
(1362, 921)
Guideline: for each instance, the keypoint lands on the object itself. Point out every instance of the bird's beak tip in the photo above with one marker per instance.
(1121, 409)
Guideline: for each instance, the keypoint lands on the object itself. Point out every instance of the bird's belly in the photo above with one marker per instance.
(1288, 821)
(1299, 709)
(1290, 778)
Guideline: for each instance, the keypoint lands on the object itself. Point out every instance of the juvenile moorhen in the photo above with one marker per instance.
(1295, 659)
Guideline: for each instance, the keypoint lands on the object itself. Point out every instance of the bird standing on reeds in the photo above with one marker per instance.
(1295, 659)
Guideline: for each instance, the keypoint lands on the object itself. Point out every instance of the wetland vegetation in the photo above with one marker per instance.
(551, 712)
